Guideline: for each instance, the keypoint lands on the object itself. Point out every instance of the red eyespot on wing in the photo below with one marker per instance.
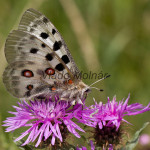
(70, 81)
(50, 71)
(53, 89)
(27, 73)
(29, 87)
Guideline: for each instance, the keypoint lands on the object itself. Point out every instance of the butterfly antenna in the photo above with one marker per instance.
(97, 88)
(99, 80)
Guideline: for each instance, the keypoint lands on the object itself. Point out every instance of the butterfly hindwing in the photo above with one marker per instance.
(24, 80)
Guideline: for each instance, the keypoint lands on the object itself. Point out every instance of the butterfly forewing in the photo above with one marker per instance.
(22, 46)
(38, 25)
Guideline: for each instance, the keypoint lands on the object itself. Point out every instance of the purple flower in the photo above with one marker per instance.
(144, 139)
(46, 120)
(107, 118)
(111, 113)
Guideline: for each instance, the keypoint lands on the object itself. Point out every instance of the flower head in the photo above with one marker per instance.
(107, 118)
(46, 120)
(112, 113)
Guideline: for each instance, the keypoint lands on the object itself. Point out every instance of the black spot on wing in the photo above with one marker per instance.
(53, 31)
(44, 35)
(43, 45)
(29, 87)
(57, 45)
(65, 59)
(33, 50)
(49, 57)
(59, 67)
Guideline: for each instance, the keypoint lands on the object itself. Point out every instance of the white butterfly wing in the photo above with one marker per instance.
(36, 23)
(35, 52)
(20, 86)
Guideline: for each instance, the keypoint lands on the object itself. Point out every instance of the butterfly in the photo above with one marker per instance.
(39, 62)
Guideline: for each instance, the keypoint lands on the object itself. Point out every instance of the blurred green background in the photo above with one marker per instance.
(112, 36)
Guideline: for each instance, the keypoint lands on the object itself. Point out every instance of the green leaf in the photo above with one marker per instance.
(134, 141)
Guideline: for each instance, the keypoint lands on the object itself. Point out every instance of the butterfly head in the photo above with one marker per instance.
(85, 89)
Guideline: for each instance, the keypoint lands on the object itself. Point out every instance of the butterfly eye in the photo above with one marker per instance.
(87, 90)
(50, 71)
